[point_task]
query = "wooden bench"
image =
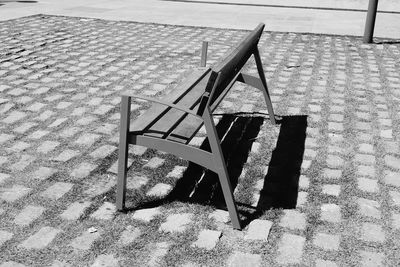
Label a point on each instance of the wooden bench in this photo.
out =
(172, 122)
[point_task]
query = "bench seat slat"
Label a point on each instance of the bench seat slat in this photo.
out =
(157, 110)
(170, 119)
(185, 131)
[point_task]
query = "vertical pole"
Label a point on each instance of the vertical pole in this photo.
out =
(123, 151)
(370, 22)
(204, 49)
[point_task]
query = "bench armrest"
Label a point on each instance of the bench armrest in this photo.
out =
(172, 105)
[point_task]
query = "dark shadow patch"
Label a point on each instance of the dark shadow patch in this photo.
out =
(281, 183)
(199, 185)
(388, 42)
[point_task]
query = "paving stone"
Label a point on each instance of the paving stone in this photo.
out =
(36, 135)
(293, 219)
(82, 170)
(258, 230)
(330, 213)
(87, 139)
(392, 161)
(290, 249)
(159, 190)
(154, 163)
(176, 222)
(45, 115)
(372, 232)
(304, 182)
(69, 132)
(327, 241)
(334, 161)
(12, 264)
(41, 238)
(63, 105)
(335, 126)
(14, 193)
(392, 178)
(365, 159)
(66, 155)
(138, 150)
(129, 235)
(105, 212)
(332, 173)
(325, 263)
(366, 148)
(103, 151)
(387, 134)
(28, 215)
(395, 197)
(146, 215)
(43, 173)
(85, 240)
(392, 147)
(177, 172)
(107, 128)
(158, 252)
(5, 236)
(368, 185)
(24, 162)
(310, 153)
(75, 210)
(47, 146)
(301, 199)
(331, 189)
(255, 148)
(5, 138)
(366, 170)
(57, 190)
(19, 147)
(3, 160)
(369, 208)
(207, 239)
(221, 216)
(396, 221)
(14, 116)
(4, 177)
(57, 122)
(240, 259)
(371, 259)
(103, 109)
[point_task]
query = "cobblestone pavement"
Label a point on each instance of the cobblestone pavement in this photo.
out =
(60, 81)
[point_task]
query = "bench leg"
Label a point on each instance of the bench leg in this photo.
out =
(264, 82)
(221, 168)
(123, 151)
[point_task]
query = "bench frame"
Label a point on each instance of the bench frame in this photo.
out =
(213, 160)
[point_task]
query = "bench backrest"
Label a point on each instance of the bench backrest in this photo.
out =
(227, 70)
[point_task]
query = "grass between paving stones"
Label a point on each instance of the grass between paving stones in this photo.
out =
(96, 187)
